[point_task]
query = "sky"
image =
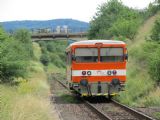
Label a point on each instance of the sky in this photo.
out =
(82, 10)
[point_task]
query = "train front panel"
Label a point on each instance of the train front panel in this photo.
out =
(98, 69)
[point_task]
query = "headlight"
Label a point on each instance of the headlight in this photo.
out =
(83, 72)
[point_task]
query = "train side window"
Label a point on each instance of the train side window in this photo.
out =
(111, 55)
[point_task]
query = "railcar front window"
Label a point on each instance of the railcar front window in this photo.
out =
(86, 54)
(111, 54)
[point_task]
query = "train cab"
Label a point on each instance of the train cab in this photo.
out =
(96, 67)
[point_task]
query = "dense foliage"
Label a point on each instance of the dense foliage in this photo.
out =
(14, 54)
(44, 59)
(114, 20)
(155, 35)
(154, 64)
(53, 52)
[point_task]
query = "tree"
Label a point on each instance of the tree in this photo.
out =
(114, 19)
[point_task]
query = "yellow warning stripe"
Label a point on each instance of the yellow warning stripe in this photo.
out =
(98, 94)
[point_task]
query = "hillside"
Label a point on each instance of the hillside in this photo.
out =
(144, 31)
(72, 24)
(139, 81)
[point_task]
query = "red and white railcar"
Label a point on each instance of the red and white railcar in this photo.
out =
(96, 67)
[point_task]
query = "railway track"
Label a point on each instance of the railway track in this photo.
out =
(112, 110)
(116, 111)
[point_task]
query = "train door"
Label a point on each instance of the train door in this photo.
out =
(68, 67)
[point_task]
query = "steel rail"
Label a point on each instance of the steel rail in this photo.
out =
(90, 106)
(134, 112)
(102, 115)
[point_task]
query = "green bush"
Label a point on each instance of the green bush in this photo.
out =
(147, 56)
(54, 57)
(42, 43)
(44, 50)
(24, 37)
(154, 65)
(14, 57)
(45, 59)
(50, 48)
(56, 60)
(62, 56)
(155, 35)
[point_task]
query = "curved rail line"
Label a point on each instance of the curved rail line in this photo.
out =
(103, 116)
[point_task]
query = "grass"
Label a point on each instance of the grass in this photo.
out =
(51, 68)
(69, 98)
(157, 115)
(138, 85)
(29, 100)
(152, 99)
(37, 51)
